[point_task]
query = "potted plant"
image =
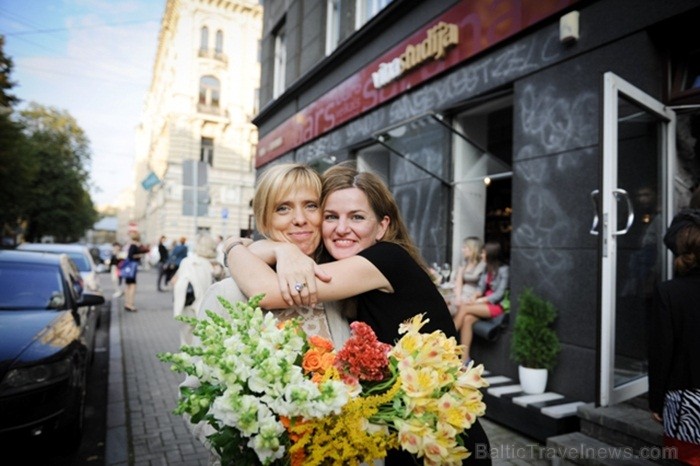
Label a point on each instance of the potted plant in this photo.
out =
(535, 345)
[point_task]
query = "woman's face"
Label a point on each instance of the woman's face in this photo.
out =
(296, 219)
(467, 251)
(349, 223)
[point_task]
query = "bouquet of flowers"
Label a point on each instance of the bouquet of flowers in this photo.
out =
(275, 396)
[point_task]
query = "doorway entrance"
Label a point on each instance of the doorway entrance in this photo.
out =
(635, 199)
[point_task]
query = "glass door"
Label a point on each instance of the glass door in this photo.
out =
(638, 151)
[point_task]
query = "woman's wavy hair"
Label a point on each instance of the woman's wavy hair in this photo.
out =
(346, 175)
(688, 248)
(276, 183)
(476, 245)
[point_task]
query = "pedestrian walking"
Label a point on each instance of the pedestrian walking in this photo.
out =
(162, 260)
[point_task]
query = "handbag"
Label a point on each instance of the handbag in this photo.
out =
(189, 295)
(128, 269)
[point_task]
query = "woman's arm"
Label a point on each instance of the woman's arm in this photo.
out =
(458, 284)
(500, 290)
(354, 275)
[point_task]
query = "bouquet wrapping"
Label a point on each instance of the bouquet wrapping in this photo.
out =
(273, 395)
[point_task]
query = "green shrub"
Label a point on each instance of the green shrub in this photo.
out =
(535, 344)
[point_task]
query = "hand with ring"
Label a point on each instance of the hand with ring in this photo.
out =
(299, 286)
(297, 274)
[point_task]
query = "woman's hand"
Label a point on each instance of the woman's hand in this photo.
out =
(657, 417)
(297, 274)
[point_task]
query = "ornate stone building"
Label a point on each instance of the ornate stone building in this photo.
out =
(196, 126)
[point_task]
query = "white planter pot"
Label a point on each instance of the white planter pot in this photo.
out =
(532, 381)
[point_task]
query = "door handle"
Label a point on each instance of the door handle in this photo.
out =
(621, 193)
(594, 199)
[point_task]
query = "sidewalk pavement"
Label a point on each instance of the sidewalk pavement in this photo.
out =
(142, 393)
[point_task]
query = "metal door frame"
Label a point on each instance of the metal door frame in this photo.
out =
(613, 87)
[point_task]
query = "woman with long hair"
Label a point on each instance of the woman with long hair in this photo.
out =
(486, 301)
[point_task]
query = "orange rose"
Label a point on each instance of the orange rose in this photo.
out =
(321, 343)
(327, 360)
(311, 361)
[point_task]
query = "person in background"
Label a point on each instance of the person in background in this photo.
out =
(114, 260)
(134, 253)
(178, 253)
(220, 248)
(486, 301)
(674, 348)
(200, 270)
(162, 260)
(469, 271)
(687, 215)
(376, 264)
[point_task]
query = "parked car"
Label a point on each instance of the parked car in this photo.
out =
(47, 333)
(79, 253)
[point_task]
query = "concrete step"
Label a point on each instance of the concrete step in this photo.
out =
(577, 448)
(536, 416)
(623, 424)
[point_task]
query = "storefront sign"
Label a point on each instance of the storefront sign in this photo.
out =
(438, 40)
(468, 28)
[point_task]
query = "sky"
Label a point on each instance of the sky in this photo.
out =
(93, 59)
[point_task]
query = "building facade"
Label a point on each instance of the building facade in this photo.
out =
(565, 130)
(196, 143)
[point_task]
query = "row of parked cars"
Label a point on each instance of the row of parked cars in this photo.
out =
(50, 306)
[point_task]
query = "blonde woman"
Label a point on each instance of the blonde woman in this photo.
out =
(469, 271)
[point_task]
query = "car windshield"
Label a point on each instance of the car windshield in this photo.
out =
(30, 286)
(80, 260)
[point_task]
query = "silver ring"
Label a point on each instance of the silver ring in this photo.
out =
(299, 287)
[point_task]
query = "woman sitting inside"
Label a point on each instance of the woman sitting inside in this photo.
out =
(469, 271)
(486, 301)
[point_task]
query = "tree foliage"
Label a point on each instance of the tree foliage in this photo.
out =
(535, 344)
(60, 203)
(44, 168)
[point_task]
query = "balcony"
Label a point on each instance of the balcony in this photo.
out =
(213, 55)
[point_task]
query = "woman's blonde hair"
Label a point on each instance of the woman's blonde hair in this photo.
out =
(476, 245)
(276, 183)
(345, 175)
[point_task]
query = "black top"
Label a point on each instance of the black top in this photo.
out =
(414, 293)
(674, 346)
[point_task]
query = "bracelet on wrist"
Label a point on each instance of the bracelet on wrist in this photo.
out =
(228, 249)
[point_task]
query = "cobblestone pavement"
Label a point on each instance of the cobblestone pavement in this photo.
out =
(141, 428)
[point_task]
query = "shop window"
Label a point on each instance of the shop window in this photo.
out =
(332, 25)
(219, 47)
(204, 39)
(483, 158)
(367, 9)
(206, 151)
(209, 93)
(280, 62)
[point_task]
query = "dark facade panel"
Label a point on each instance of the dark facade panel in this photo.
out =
(552, 206)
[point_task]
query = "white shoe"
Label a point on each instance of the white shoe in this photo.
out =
(117, 293)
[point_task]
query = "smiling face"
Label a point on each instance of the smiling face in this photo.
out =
(349, 223)
(296, 219)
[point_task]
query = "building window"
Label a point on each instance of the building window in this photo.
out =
(332, 25)
(204, 39)
(206, 151)
(209, 92)
(219, 41)
(366, 9)
(280, 63)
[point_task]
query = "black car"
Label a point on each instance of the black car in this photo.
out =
(47, 331)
